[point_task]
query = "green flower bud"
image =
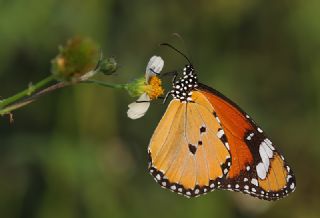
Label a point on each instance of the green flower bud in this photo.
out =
(136, 87)
(108, 66)
(77, 57)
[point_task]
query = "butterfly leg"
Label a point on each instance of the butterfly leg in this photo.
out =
(174, 78)
(142, 101)
(166, 97)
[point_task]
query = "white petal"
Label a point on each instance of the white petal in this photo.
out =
(138, 109)
(154, 66)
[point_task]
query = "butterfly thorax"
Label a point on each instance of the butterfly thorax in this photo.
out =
(183, 87)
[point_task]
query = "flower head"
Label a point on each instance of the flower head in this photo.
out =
(76, 58)
(148, 88)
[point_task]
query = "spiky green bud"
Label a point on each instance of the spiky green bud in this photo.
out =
(77, 57)
(108, 66)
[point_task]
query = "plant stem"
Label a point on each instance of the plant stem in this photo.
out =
(109, 85)
(32, 98)
(12, 103)
(27, 92)
(7, 110)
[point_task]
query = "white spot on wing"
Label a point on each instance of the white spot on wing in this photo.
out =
(217, 118)
(220, 133)
(267, 149)
(261, 171)
(269, 143)
(249, 137)
(227, 145)
(264, 156)
(288, 169)
(292, 186)
(254, 182)
(158, 177)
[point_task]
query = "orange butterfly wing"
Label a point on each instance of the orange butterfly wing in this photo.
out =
(257, 167)
(186, 156)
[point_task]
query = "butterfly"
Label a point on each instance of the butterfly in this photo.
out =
(205, 142)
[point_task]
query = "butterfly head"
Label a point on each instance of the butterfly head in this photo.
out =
(182, 88)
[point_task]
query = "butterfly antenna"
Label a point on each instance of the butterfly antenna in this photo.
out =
(172, 47)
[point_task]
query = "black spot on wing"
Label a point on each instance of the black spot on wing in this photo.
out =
(192, 148)
(203, 129)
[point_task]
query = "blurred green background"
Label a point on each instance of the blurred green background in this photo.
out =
(74, 153)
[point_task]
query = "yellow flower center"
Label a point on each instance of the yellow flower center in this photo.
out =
(154, 88)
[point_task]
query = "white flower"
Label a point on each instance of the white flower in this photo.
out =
(154, 67)
(152, 89)
(138, 108)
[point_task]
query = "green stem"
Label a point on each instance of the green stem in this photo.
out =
(10, 108)
(12, 103)
(27, 92)
(115, 86)
(27, 100)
